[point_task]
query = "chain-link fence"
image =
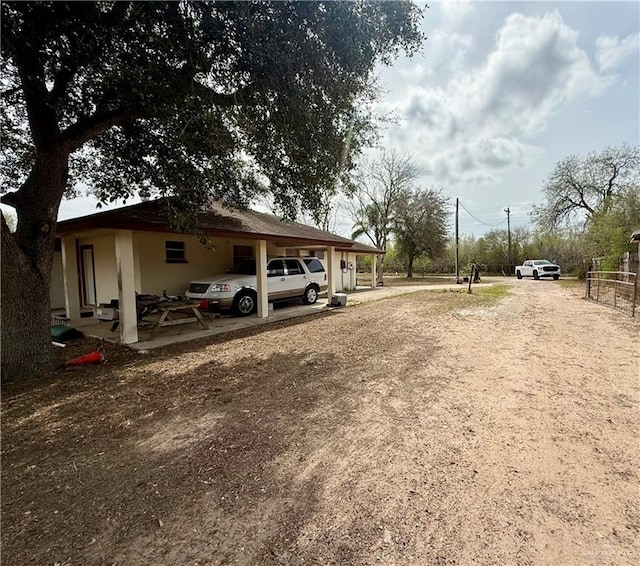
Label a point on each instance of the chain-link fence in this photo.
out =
(617, 289)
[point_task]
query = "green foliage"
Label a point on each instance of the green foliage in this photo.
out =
(200, 99)
(608, 233)
(492, 293)
(420, 225)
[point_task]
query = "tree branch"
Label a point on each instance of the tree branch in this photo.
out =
(89, 127)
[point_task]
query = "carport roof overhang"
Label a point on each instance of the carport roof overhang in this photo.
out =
(218, 221)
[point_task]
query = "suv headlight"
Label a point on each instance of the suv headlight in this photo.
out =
(220, 288)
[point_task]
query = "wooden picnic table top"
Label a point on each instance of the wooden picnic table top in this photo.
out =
(177, 305)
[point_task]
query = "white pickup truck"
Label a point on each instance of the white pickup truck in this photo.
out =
(538, 268)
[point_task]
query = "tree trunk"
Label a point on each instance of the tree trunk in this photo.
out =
(380, 272)
(27, 256)
(410, 268)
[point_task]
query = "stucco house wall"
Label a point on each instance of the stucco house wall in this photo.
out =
(153, 274)
(56, 291)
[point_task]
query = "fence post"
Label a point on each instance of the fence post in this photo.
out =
(615, 293)
(635, 295)
(588, 290)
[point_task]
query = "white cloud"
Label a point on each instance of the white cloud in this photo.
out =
(535, 67)
(611, 51)
(471, 126)
(455, 12)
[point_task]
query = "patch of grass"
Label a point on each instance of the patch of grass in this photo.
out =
(493, 292)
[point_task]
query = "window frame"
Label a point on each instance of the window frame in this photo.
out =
(170, 247)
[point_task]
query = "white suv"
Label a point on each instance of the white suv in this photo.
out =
(287, 278)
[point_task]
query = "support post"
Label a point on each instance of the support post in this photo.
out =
(374, 275)
(261, 276)
(125, 264)
(331, 270)
(457, 245)
(70, 278)
(508, 211)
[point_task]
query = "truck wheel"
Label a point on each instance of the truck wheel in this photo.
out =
(244, 303)
(310, 295)
(535, 275)
(518, 275)
(556, 277)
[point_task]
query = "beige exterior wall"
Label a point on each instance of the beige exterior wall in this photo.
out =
(157, 275)
(345, 278)
(104, 265)
(153, 274)
(56, 291)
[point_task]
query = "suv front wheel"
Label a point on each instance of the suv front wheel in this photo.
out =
(244, 303)
(310, 295)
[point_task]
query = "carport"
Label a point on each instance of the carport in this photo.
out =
(119, 253)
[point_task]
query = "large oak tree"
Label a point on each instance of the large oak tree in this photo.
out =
(192, 99)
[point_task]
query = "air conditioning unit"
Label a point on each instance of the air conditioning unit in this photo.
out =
(339, 300)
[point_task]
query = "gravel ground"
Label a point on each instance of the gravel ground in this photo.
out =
(430, 428)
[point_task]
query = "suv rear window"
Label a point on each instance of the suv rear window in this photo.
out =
(314, 265)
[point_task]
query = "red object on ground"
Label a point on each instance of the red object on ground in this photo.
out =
(91, 358)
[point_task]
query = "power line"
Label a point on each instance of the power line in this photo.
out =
(481, 222)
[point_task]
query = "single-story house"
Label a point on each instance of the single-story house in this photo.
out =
(118, 253)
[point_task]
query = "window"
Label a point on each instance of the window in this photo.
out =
(242, 254)
(275, 268)
(293, 267)
(317, 253)
(175, 252)
(314, 265)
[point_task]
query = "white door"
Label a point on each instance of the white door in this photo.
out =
(88, 278)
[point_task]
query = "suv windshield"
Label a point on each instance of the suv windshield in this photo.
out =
(247, 267)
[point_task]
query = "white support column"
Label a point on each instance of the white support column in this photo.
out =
(374, 259)
(125, 265)
(261, 276)
(331, 270)
(70, 277)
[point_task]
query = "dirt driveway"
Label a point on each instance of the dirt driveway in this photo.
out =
(432, 428)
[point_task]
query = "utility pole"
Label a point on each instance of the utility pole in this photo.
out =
(457, 266)
(508, 211)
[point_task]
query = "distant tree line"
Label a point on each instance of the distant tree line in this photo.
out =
(590, 208)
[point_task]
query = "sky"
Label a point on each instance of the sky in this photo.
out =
(502, 91)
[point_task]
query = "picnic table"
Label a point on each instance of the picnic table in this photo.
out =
(173, 312)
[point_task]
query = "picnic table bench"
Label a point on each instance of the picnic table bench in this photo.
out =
(173, 312)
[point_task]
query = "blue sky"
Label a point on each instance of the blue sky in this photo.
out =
(500, 93)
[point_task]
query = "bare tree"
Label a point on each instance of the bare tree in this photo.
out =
(377, 190)
(580, 187)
